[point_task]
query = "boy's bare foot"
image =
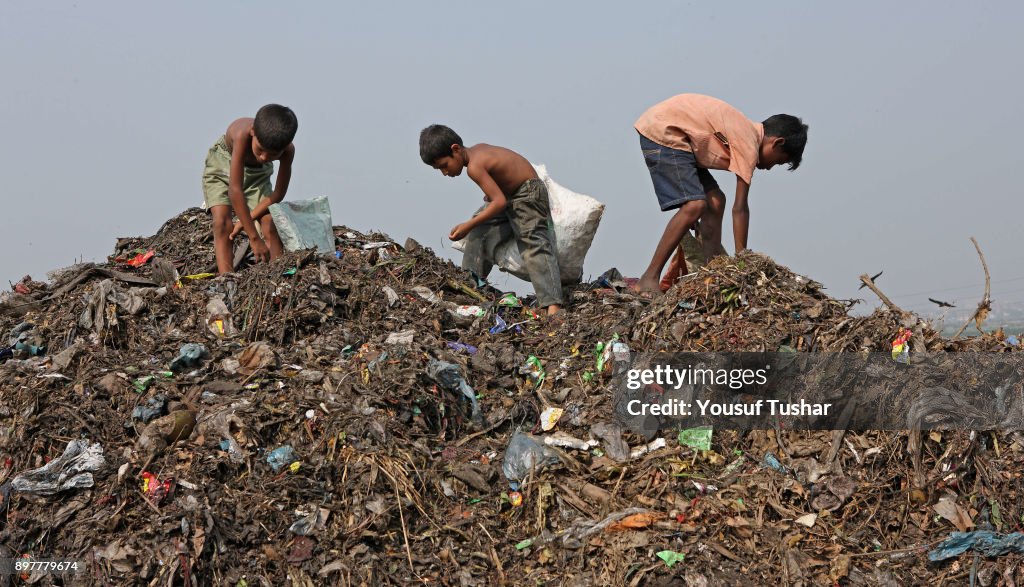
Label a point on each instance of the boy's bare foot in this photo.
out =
(555, 316)
(648, 286)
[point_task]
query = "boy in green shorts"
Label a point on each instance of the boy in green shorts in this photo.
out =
(237, 178)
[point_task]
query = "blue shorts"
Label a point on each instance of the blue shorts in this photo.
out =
(677, 179)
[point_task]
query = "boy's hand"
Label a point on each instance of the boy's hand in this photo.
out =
(459, 232)
(259, 250)
(234, 231)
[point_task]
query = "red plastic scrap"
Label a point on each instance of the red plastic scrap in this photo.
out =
(154, 489)
(138, 260)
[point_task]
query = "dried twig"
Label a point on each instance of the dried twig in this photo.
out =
(985, 305)
(467, 290)
(288, 308)
(837, 434)
(885, 300)
(405, 532)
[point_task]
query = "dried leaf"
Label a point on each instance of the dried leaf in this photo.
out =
(949, 510)
(635, 521)
(807, 520)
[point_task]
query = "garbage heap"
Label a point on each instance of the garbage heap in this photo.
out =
(374, 418)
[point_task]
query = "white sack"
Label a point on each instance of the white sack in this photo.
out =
(575, 218)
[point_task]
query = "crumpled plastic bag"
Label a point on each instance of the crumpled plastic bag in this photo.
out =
(227, 423)
(450, 378)
(281, 457)
(70, 470)
(256, 356)
(524, 454)
(312, 518)
(218, 317)
(95, 315)
(190, 355)
(304, 224)
(985, 542)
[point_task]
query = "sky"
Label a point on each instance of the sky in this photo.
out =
(914, 109)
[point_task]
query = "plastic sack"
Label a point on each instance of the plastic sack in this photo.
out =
(304, 224)
(70, 470)
(575, 218)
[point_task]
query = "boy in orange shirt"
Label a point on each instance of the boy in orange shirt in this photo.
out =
(685, 136)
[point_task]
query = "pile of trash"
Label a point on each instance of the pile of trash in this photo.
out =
(374, 417)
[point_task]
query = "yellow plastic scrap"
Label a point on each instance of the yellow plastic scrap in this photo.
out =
(193, 277)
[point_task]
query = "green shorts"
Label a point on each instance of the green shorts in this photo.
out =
(255, 183)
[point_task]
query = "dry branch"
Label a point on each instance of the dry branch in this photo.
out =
(885, 300)
(985, 305)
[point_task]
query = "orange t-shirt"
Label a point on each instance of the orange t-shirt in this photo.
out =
(718, 135)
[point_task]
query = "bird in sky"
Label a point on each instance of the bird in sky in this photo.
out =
(941, 303)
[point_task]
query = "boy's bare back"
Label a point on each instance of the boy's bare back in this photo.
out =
(241, 130)
(507, 168)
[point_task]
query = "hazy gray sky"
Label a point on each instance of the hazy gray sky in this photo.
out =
(108, 109)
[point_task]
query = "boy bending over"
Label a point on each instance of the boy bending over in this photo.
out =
(237, 178)
(517, 205)
(685, 136)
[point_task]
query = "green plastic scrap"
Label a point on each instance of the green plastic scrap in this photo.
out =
(142, 383)
(602, 352)
(696, 438)
(510, 300)
(538, 369)
(734, 466)
(996, 516)
(524, 544)
(606, 351)
(671, 557)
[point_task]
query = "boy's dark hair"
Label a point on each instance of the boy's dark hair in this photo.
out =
(793, 130)
(275, 126)
(436, 141)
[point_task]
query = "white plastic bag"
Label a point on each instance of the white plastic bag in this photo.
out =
(304, 224)
(575, 218)
(71, 470)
